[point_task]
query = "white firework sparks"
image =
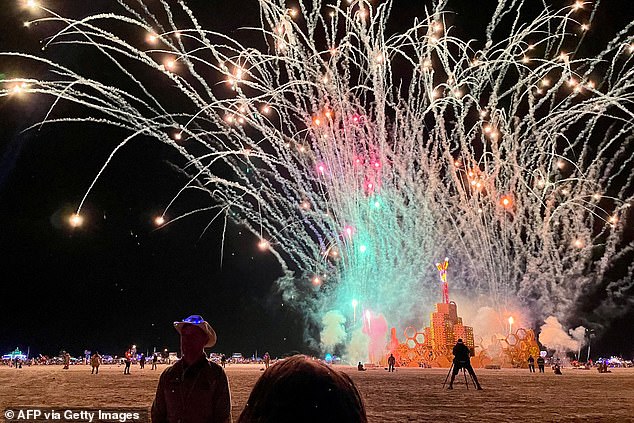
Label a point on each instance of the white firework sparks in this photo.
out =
(359, 158)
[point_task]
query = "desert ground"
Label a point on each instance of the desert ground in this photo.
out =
(408, 395)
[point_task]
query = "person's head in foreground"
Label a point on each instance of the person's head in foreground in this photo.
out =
(196, 334)
(299, 389)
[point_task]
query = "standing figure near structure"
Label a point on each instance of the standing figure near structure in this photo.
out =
(391, 361)
(462, 360)
(540, 363)
(531, 364)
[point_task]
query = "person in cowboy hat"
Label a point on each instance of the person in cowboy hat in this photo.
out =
(193, 389)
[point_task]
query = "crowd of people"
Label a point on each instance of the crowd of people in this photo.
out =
(298, 388)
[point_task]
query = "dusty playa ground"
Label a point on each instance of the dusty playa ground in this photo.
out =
(408, 395)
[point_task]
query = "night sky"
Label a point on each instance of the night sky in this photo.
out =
(116, 280)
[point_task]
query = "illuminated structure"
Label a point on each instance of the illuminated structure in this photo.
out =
(442, 268)
(433, 347)
(15, 354)
(510, 351)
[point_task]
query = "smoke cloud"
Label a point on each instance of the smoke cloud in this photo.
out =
(554, 336)
(333, 331)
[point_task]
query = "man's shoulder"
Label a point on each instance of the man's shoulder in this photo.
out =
(172, 370)
(215, 369)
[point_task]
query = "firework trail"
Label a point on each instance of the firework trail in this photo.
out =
(359, 158)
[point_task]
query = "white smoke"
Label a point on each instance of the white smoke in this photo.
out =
(333, 331)
(554, 336)
(358, 347)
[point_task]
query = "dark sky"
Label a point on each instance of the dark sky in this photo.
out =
(117, 281)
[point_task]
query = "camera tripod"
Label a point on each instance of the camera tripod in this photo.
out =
(464, 373)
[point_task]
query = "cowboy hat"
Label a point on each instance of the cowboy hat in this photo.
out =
(198, 321)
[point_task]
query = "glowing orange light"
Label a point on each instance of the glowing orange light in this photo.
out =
(506, 201)
(170, 64)
(263, 244)
(76, 220)
(178, 136)
(159, 220)
(19, 88)
(316, 281)
(579, 243)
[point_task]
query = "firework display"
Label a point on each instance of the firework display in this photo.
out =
(355, 156)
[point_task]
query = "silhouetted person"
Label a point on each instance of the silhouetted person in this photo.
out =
(127, 361)
(267, 360)
(391, 361)
(462, 360)
(360, 367)
(223, 360)
(531, 364)
(95, 362)
(194, 389)
(557, 369)
(154, 361)
(142, 361)
(299, 389)
(66, 360)
(540, 364)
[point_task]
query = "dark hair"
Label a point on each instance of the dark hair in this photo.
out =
(299, 389)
